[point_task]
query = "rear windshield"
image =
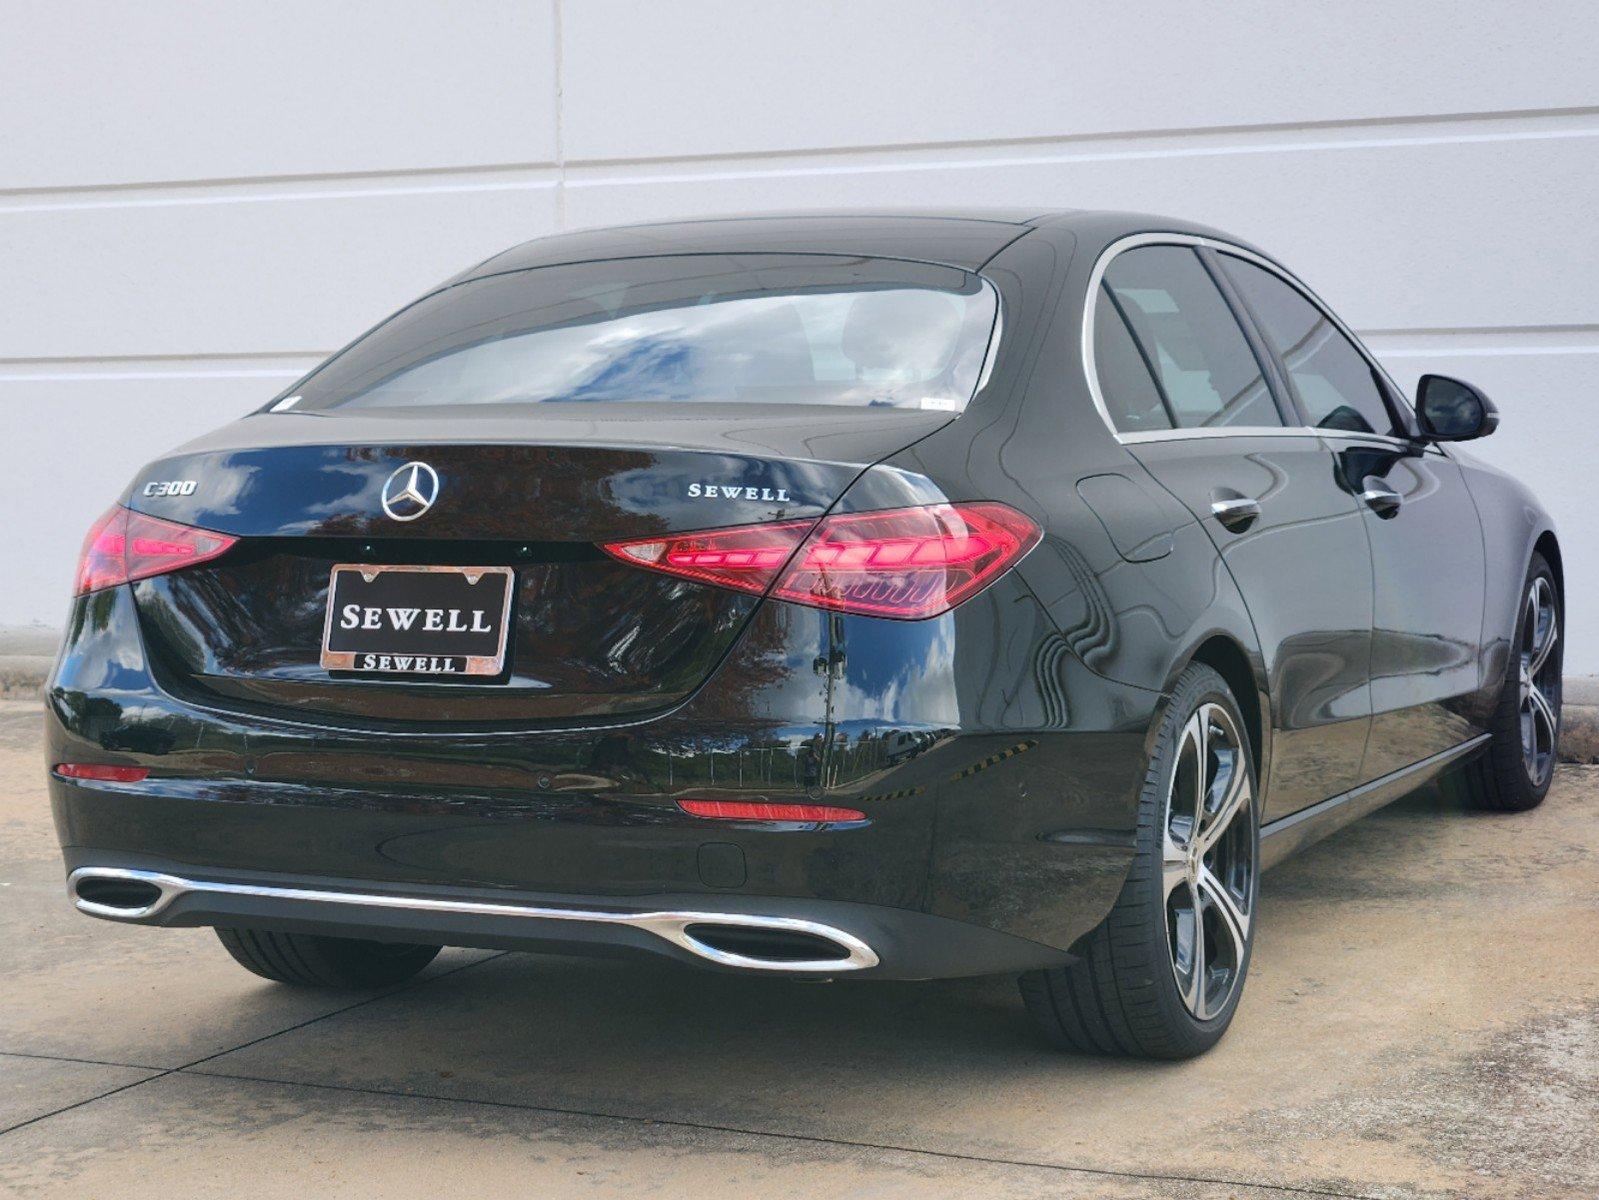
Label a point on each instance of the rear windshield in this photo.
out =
(761, 329)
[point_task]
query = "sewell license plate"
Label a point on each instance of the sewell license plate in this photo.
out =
(417, 620)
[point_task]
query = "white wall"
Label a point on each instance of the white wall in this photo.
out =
(198, 201)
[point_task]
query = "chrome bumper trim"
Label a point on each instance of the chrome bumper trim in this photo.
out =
(670, 926)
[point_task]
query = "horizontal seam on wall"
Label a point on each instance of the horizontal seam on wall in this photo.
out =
(1484, 341)
(598, 171)
(266, 364)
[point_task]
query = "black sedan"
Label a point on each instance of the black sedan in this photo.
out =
(824, 595)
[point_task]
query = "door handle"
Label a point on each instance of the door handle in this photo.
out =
(1379, 497)
(1236, 512)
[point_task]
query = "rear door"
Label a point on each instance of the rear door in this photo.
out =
(1426, 543)
(1196, 401)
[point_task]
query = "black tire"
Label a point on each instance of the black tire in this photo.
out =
(1122, 995)
(307, 960)
(1503, 779)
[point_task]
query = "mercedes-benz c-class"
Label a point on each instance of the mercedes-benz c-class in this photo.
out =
(855, 595)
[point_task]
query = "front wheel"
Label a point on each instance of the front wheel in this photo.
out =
(1162, 974)
(1515, 772)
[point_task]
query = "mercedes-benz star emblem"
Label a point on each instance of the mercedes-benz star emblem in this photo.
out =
(410, 491)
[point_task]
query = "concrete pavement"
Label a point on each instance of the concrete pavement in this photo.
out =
(1422, 1019)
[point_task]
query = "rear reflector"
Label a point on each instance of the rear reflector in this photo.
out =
(746, 810)
(906, 563)
(124, 545)
(102, 772)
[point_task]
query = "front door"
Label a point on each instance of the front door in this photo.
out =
(1426, 543)
(1427, 557)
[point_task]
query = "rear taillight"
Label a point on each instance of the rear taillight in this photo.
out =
(747, 557)
(124, 545)
(906, 563)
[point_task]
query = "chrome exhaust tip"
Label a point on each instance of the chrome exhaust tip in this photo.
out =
(742, 941)
(757, 943)
(122, 895)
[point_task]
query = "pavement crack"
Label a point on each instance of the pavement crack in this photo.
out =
(92, 1062)
(162, 1073)
(409, 986)
(808, 1138)
(66, 1108)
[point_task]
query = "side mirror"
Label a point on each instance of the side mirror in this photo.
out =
(1451, 410)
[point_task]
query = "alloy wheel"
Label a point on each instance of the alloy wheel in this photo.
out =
(1539, 688)
(1209, 867)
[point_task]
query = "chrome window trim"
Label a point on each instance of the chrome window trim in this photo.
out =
(992, 351)
(1215, 431)
(1221, 246)
(1255, 431)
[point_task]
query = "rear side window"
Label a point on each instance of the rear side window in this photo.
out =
(1201, 362)
(1336, 386)
(737, 328)
(1131, 395)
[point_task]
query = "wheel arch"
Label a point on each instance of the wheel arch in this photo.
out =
(1548, 545)
(1228, 657)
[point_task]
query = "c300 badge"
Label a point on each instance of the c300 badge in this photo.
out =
(171, 487)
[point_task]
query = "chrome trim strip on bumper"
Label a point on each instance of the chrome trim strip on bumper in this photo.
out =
(670, 926)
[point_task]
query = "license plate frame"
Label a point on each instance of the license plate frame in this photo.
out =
(388, 650)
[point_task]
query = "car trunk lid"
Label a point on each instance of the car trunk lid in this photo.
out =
(533, 490)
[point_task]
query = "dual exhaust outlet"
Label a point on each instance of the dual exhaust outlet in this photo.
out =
(743, 941)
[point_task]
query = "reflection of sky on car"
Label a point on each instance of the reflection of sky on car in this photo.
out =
(239, 482)
(744, 348)
(650, 489)
(900, 671)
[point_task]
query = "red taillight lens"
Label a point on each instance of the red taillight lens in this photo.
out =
(747, 557)
(124, 545)
(906, 563)
(748, 810)
(102, 772)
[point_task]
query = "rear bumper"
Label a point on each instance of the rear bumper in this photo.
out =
(998, 775)
(815, 938)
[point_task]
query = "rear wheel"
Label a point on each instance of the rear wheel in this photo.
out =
(1515, 772)
(1161, 976)
(308, 960)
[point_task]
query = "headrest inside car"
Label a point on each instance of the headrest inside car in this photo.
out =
(909, 332)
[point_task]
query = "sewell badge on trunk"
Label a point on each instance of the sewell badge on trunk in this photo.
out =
(417, 620)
